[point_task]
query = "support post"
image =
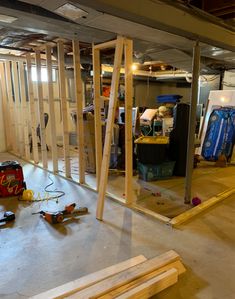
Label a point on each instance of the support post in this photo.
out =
(41, 110)
(17, 110)
(60, 47)
(79, 104)
(128, 121)
(24, 110)
(51, 110)
(97, 108)
(192, 122)
(32, 109)
(109, 127)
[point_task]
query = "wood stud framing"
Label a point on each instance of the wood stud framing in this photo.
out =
(51, 110)
(61, 65)
(17, 109)
(79, 103)
(97, 105)
(109, 127)
(128, 47)
(25, 110)
(6, 116)
(32, 109)
(41, 110)
(11, 102)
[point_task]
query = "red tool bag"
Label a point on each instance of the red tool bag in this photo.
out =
(11, 179)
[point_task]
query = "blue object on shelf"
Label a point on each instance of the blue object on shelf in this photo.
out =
(168, 98)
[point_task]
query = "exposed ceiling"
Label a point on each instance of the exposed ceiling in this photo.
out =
(36, 23)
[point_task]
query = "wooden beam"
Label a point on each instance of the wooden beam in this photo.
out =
(128, 121)
(177, 265)
(79, 103)
(32, 109)
(90, 279)
(200, 208)
(6, 108)
(17, 110)
(97, 112)
(106, 45)
(24, 110)
(60, 47)
(41, 110)
(109, 127)
(51, 110)
(105, 286)
(12, 128)
(152, 286)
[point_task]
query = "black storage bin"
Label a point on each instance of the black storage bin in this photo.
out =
(152, 149)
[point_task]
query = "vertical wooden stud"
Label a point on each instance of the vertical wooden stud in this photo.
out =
(24, 110)
(60, 47)
(5, 106)
(17, 110)
(128, 121)
(97, 107)
(51, 110)
(12, 128)
(32, 109)
(79, 103)
(41, 110)
(109, 128)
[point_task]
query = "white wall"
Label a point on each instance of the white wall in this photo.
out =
(2, 130)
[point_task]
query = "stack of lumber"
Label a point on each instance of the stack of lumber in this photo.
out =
(134, 278)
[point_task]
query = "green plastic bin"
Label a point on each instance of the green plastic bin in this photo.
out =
(151, 172)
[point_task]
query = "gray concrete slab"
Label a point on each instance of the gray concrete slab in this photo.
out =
(35, 256)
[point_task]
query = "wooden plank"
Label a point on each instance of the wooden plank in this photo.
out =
(90, 279)
(17, 110)
(178, 266)
(105, 286)
(64, 110)
(152, 286)
(12, 129)
(24, 109)
(128, 121)
(109, 127)
(201, 207)
(150, 213)
(5, 106)
(79, 103)
(32, 109)
(50, 93)
(97, 112)
(41, 110)
(109, 44)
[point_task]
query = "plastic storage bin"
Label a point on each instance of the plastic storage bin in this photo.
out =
(168, 98)
(152, 149)
(149, 172)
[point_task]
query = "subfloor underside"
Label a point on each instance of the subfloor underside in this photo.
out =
(35, 256)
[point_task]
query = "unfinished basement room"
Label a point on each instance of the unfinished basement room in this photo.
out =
(117, 157)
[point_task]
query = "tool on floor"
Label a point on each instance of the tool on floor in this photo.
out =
(11, 179)
(7, 217)
(58, 217)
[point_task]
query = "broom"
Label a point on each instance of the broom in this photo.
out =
(222, 159)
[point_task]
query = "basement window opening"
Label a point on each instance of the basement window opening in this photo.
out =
(43, 74)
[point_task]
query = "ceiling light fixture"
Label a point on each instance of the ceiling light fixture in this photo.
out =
(7, 19)
(71, 12)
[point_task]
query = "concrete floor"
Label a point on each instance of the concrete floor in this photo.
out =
(35, 256)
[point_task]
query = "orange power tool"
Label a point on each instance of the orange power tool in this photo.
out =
(58, 217)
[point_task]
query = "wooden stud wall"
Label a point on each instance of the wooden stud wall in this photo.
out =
(61, 65)
(79, 104)
(51, 110)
